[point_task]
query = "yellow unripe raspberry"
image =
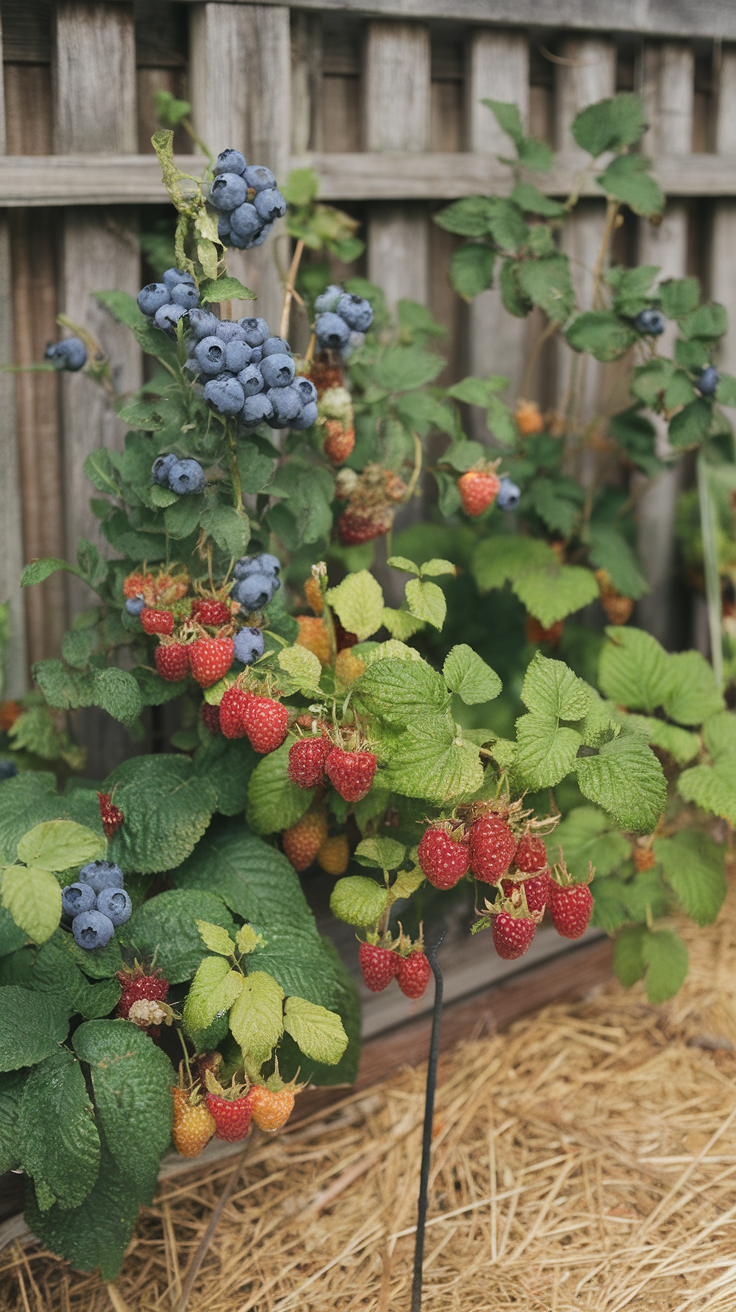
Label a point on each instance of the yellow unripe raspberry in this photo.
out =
(348, 667)
(334, 854)
(314, 596)
(313, 636)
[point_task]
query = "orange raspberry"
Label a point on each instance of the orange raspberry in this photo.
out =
(334, 854)
(313, 595)
(528, 418)
(348, 667)
(536, 632)
(271, 1110)
(302, 841)
(9, 712)
(644, 858)
(313, 636)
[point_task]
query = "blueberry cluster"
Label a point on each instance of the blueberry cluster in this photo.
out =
(247, 200)
(164, 303)
(180, 476)
(248, 374)
(95, 904)
(70, 354)
(256, 582)
(342, 321)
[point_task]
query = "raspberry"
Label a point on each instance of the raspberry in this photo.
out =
(210, 717)
(210, 659)
(492, 847)
(172, 660)
(357, 526)
(351, 773)
(231, 708)
(379, 966)
(135, 584)
(348, 667)
(512, 935)
(571, 907)
(137, 986)
(302, 841)
(334, 854)
(210, 611)
(413, 974)
(478, 490)
(307, 761)
(111, 815)
(644, 858)
(266, 723)
(157, 621)
(230, 1115)
(339, 441)
(536, 890)
(343, 638)
(313, 636)
(9, 712)
(271, 1110)
(528, 418)
(313, 594)
(530, 854)
(193, 1125)
(536, 632)
(443, 860)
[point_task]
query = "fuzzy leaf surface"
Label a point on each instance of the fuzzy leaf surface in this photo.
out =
(58, 1139)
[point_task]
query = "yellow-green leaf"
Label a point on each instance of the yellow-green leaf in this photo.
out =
(318, 1032)
(214, 989)
(216, 938)
(256, 1019)
(302, 666)
(358, 601)
(33, 898)
(60, 844)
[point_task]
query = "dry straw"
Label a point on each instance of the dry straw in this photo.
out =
(585, 1159)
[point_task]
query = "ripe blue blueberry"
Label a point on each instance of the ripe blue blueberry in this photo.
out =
(255, 591)
(186, 476)
(256, 354)
(184, 293)
(276, 346)
(256, 409)
(171, 277)
(101, 874)
(8, 769)
(134, 605)
(92, 929)
(248, 645)
(708, 381)
(251, 379)
(202, 323)
(245, 566)
(229, 331)
(270, 205)
(76, 898)
(270, 565)
(355, 340)
(115, 903)
(277, 370)
(210, 356)
(331, 330)
(230, 161)
(151, 297)
(256, 331)
(224, 394)
(227, 192)
(223, 228)
(237, 356)
(306, 389)
(167, 317)
(508, 495)
(356, 311)
(329, 299)
(259, 178)
(263, 234)
(286, 403)
(650, 322)
(308, 415)
(245, 221)
(70, 354)
(160, 468)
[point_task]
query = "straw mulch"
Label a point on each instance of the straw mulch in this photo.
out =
(585, 1159)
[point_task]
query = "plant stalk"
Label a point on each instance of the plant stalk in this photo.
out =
(289, 289)
(709, 530)
(549, 331)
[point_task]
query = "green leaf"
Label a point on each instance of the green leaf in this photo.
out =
(256, 1019)
(633, 670)
(505, 557)
(436, 567)
(469, 217)
(167, 807)
(32, 1025)
(610, 124)
(215, 938)
(224, 289)
(274, 802)
(166, 925)
(401, 562)
(319, 1032)
(558, 501)
(426, 601)
(508, 118)
(586, 837)
(501, 422)
(547, 283)
(213, 990)
(536, 155)
(471, 269)
(707, 323)
(132, 1080)
(117, 692)
(665, 956)
(358, 601)
(400, 623)
(553, 593)
(432, 760)
(637, 436)
(302, 666)
(121, 306)
(398, 690)
(679, 296)
(628, 179)
(551, 688)
(12, 1084)
(380, 853)
(229, 530)
(506, 224)
(33, 898)
(60, 844)
(532, 201)
(628, 955)
(57, 970)
(610, 551)
(514, 300)
(58, 1140)
(626, 779)
(692, 695)
(726, 390)
(602, 334)
(467, 675)
(546, 752)
(713, 787)
(691, 424)
(402, 368)
(680, 744)
(38, 570)
(694, 865)
(649, 381)
(358, 900)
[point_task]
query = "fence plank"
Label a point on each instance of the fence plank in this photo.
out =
(667, 92)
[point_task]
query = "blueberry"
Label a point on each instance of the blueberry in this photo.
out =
(256, 354)
(230, 161)
(251, 380)
(92, 929)
(245, 221)
(276, 346)
(286, 403)
(167, 317)
(229, 331)
(354, 341)
(70, 354)
(134, 605)
(331, 330)
(245, 566)
(248, 645)
(115, 903)
(259, 178)
(308, 415)
(210, 356)
(356, 311)
(329, 298)
(708, 381)
(237, 356)
(184, 293)
(270, 205)
(256, 409)
(255, 591)
(227, 192)
(508, 495)
(151, 297)
(268, 564)
(76, 898)
(223, 228)
(240, 243)
(8, 769)
(263, 234)
(202, 323)
(256, 331)
(306, 388)
(650, 322)
(101, 874)
(186, 476)
(173, 276)
(160, 468)
(277, 370)
(224, 394)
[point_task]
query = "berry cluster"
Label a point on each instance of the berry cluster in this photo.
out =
(95, 904)
(383, 960)
(228, 1113)
(479, 488)
(165, 303)
(342, 321)
(373, 497)
(247, 200)
(350, 772)
(141, 999)
(69, 354)
(248, 375)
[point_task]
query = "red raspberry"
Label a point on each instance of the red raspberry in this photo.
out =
(210, 659)
(492, 847)
(443, 860)
(512, 935)
(210, 717)
(111, 816)
(351, 773)
(357, 526)
(172, 660)
(209, 611)
(266, 723)
(379, 966)
(478, 490)
(157, 621)
(307, 761)
(233, 703)
(137, 986)
(231, 1116)
(530, 855)
(414, 974)
(536, 890)
(339, 441)
(302, 841)
(571, 908)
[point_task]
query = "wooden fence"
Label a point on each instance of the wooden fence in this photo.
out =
(383, 99)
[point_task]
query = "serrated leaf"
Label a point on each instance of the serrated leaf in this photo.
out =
(167, 806)
(38, 570)
(213, 990)
(708, 322)
(224, 289)
(602, 334)
(319, 1033)
(666, 959)
(628, 179)
(381, 853)
(407, 882)
(274, 802)
(508, 118)
(471, 269)
(256, 1019)
(398, 690)
(32, 1025)
(426, 601)
(400, 623)
(358, 601)
(57, 1135)
(246, 939)
(228, 528)
(545, 752)
(215, 938)
(33, 898)
(554, 593)
(533, 201)
(358, 900)
(628, 955)
(166, 925)
(610, 551)
(547, 283)
(626, 779)
(60, 844)
(117, 692)
(403, 368)
(551, 688)
(609, 124)
(466, 674)
(402, 563)
(680, 744)
(694, 865)
(712, 787)
(558, 502)
(302, 666)
(12, 1084)
(692, 695)
(586, 835)
(433, 761)
(504, 557)
(469, 217)
(633, 670)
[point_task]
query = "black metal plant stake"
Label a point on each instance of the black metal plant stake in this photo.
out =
(434, 1050)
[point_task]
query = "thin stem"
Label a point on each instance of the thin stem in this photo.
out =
(186, 1056)
(549, 331)
(709, 530)
(611, 213)
(289, 289)
(418, 455)
(235, 472)
(310, 350)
